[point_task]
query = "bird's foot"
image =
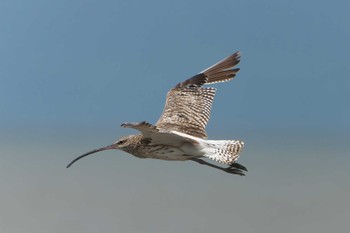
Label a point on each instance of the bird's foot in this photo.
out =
(237, 169)
(234, 171)
(239, 166)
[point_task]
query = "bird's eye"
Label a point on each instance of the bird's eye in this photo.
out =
(120, 142)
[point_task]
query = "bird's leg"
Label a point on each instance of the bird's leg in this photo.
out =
(231, 170)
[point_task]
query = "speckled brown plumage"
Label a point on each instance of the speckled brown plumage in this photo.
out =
(180, 134)
(188, 104)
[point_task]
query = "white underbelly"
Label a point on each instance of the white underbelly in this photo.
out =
(168, 153)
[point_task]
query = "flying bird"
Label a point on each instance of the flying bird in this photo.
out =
(180, 134)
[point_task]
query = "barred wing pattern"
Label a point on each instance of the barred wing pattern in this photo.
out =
(187, 110)
(188, 105)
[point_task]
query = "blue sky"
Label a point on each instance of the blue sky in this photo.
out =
(65, 62)
(72, 71)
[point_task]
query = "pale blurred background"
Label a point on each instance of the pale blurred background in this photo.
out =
(72, 71)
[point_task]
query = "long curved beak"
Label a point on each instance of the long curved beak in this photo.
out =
(91, 152)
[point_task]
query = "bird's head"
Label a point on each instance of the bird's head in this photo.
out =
(122, 144)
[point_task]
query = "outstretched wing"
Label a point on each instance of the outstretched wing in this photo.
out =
(158, 136)
(188, 104)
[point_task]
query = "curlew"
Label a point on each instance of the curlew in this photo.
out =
(180, 133)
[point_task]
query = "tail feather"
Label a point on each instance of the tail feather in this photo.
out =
(223, 151)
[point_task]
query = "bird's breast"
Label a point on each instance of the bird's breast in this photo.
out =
(163, 152)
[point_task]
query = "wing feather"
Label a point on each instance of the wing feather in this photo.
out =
(187, 110)
(188, 104)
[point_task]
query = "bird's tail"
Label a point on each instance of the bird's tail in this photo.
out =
(223, 151)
